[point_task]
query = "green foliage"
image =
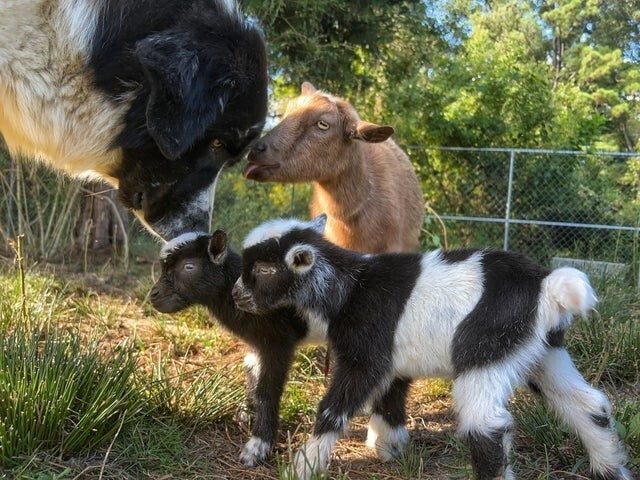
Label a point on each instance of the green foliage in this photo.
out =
(469, 73)
(240, 203)
(628, 425)
(65, 393)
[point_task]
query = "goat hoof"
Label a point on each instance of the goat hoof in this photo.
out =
(309, 462)
(389, 442)
(255, 451)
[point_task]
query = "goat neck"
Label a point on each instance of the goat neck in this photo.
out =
(346, 193)
(221, 304)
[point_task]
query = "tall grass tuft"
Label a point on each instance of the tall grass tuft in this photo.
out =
(39, 204)
(58, 390)
(196, 396)
(60, 394)
(607, 345)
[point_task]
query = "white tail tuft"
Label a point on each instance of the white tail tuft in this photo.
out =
(571, 290)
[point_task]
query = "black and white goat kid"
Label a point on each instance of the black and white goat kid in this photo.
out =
(490, 320)
(198, 268)
(152, 96)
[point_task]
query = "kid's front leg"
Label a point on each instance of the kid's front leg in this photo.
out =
(349, 391)
(270, 371)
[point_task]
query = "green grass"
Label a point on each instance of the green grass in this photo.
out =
(68, 390)
(59, 393)
(608, 343)
(196, 396)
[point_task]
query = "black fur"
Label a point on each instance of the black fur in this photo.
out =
(600, 420)
(535, 388)
(197, 74)
(454, 256)
(273, 336)
(488, 455)
(392, 405)
(555, 338)
(504, 317)
(362, 341)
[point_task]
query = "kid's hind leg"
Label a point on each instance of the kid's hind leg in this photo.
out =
(387, 432)
(481, 396)
(584, 409)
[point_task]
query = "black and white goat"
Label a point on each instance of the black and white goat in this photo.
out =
(152, 96)
(198, 268)
(490, 320)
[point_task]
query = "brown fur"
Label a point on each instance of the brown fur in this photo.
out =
(361, 179)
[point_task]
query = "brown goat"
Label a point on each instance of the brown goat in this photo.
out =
(361, 179)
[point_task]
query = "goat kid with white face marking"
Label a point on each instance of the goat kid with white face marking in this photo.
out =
(153, 97)
(198, 268)
(490, 320)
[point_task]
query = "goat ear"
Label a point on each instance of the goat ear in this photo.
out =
(300, 258)
(184, 99)
(307, 88)
(319, 223)
(217, 248)
(371, 133)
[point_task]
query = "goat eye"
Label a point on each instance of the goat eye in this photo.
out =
(265, 270)
(322, 125)
(189, 267)
(217, 143)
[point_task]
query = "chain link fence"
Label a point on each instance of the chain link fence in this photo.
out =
(559, 207)
(552, 205)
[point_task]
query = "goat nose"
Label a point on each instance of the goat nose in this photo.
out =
(154, 292)
(260, 147)
(235, 291)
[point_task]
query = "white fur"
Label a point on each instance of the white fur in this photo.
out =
(272, 229)
(199, 204)
(278, 227)
(293, 251)
(254, 452)
(252, 364)
(571, 397)
(78, 20)
(389, 442)
(49, 108)
(317, 328)
(179, 242)
(481, 394)
(443, 296)
(212, 192)
(231, 7)
(314, 455)
(571, 290)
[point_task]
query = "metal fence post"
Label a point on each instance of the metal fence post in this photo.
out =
(507, 213)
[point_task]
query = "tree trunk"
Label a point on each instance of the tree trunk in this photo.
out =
(101, 231)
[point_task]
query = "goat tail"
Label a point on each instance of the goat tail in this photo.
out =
(569, 290)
